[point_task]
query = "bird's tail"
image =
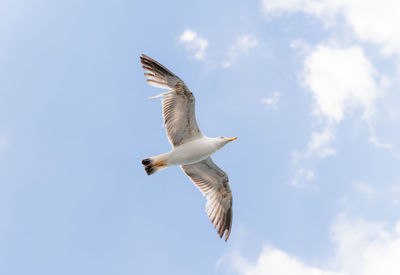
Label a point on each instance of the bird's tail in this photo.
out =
(154, 164)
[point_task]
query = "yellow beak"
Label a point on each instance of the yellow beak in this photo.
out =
(230, 139)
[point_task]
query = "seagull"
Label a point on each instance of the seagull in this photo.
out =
(190, 148)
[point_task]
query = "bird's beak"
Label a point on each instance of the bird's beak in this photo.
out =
(230, 139)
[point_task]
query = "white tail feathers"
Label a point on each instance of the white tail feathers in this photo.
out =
(154, 164)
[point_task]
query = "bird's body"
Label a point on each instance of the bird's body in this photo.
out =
(194, 151)
(191, 149)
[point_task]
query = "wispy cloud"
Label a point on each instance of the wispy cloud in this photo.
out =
(377, 142)
(374, 140)
(194, 43)
(241, 46)
(320, 143)
(366, 190)
(272, 101)
(342, 82)
(361, 248)
(374, 27)
(301, 175)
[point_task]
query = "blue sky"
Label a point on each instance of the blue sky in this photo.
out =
(309, 87)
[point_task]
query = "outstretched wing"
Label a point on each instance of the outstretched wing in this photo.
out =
(177, 103)
(214, 184)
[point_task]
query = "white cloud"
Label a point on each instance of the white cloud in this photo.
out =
(373, 21)
(342, 83)
(276, 262)
(272, 101)
(277, 7)
(242, 46)
(340, 79)
(361, 248)
(366, 248)
(194, 43)
(370, 20)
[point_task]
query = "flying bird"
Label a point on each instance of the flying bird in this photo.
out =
(190, 148)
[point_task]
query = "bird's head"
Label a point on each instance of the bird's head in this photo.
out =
(227, 139)
(224, 140)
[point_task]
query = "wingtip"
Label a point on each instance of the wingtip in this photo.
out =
(227, 233)
(143, 57)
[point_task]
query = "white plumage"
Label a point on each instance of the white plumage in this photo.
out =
(191, 149)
